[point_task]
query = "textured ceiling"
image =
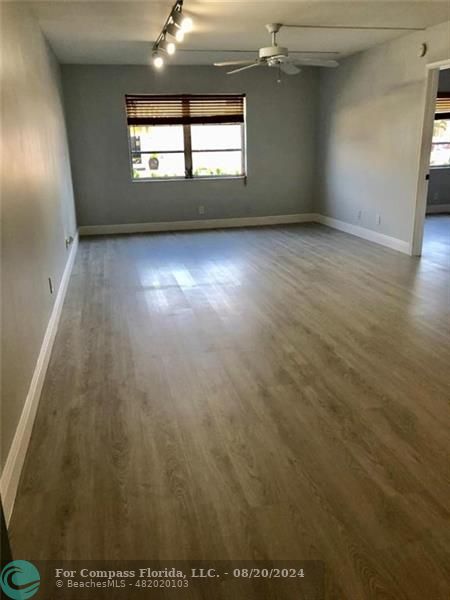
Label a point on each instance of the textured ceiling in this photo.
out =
(120, 32)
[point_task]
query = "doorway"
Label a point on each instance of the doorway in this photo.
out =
(434, 167)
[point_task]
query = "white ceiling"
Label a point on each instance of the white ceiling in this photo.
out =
(118, 32)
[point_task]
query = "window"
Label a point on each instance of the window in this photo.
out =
(440, 149)
(159, 153)
(186, 136)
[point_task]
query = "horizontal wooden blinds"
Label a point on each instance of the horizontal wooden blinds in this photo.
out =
(442, 106)
(184, 109)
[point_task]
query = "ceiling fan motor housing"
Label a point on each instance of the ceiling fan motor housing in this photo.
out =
(272, 52)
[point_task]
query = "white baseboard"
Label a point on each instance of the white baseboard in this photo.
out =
(11, 472)
(200, 224)
(362, 232)
(433, 209)
(367, 234)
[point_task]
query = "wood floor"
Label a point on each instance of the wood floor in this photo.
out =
(270, 393)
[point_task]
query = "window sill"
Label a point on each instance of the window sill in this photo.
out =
(434, 167)
(206, 178)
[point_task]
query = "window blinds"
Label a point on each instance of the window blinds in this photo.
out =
(184, 109)
(442, 110)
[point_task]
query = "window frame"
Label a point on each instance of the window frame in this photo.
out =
(445, 117)
(188, 154)
(441, 114)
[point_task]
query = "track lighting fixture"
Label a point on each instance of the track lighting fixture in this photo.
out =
(187, 25)
(168, 47)
(175, 32)
(181, 21)
(158, 61)
(176, 25)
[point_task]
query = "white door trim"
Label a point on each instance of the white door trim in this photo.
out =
(420, 207)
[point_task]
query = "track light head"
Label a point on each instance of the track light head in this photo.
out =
(168, 47)
(187, 25)
(181, 21)
(175, 32)
(158, 61)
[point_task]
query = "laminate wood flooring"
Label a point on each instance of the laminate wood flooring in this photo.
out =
(265, 393)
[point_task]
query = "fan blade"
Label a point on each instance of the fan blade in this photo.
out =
(233, 63)
(255, 64)
(234, 51)
(289, 68)
(313, 52)
(316, 62)
(356, 27)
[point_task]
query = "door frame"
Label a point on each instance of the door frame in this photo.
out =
(431, 90)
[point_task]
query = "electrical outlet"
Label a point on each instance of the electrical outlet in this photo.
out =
(378, 219)
(201, 209)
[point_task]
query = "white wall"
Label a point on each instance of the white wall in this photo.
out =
(37, 203)
(371, 118)
(281, 127)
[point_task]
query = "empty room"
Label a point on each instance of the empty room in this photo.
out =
(225, 294)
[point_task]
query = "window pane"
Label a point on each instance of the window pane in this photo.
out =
(150, 138)
(216, 163)
(158, 164)
(440, 155)
(441, 130)
(212, 137)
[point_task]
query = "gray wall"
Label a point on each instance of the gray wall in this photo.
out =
(37, 203)
(444, 80)
(439, 184)
(371, 119)
(439, 187)
(281, 122)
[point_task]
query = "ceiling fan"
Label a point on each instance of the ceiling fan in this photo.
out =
(277, 56)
